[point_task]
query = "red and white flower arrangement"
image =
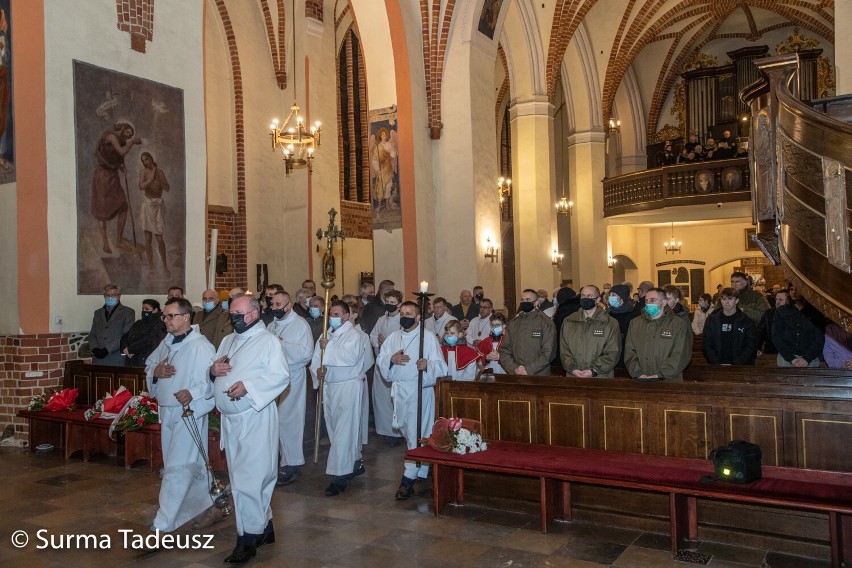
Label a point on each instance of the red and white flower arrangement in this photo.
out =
(457, 435)
(66, 399)
(139, 411)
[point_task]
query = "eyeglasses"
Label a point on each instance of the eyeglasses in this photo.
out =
(170, 317)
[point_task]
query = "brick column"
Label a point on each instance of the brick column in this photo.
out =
(30, 365)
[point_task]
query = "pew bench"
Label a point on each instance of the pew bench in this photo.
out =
(71, 432)
(557, 467)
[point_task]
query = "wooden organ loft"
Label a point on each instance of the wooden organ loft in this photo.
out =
(711, 105)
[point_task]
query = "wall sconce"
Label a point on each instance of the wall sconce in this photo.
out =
(556, 258)
(492, 252)
(504, 190)
(565, 207)
(610, 262)
(613, 125)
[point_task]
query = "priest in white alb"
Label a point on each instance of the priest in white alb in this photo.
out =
(298, 343)
(250, 372)
(399, 360)
(382, 402)
(176, 373)
(343, 371)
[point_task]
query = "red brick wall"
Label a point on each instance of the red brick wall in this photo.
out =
(232, 224)
(226, 220)
(313, 9)
(19, 354)
(137, 18)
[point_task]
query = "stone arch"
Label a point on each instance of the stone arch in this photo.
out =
(524, 53)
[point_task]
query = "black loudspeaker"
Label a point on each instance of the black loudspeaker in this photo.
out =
(738, 462)
(221, 263)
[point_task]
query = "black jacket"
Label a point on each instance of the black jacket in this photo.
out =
(143, 338)
(794, 335)
(745, 340)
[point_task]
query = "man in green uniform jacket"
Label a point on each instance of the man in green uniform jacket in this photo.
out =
(530, 340)
(659, 343)
(590, 339)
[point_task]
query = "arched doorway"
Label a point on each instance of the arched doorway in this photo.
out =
(624, 269)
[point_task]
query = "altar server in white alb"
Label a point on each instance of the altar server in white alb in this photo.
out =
(343, 370)
(398, 360)
(298, 344)
(382, 402)
(251, 371)
(177, 376)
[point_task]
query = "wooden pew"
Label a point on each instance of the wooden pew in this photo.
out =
(71, 432)
(556, 468)
(796, 427)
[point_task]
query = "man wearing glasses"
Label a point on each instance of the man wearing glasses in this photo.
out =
(109, 324)
(659, 343)
(250, 372)
(177, 377)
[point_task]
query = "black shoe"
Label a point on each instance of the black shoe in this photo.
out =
(334, 489)
(242, 553)
(358, 469)
(288, 476)
(404, 492)
(265, 538)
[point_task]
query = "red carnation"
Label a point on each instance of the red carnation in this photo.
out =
(140, 421)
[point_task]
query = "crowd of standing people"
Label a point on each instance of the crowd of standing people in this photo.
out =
(252, 358)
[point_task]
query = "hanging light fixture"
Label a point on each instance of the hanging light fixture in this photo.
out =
(556, 258)
(296, 141)
(673, 246)
(504, 190)
(611, 262)
(563, 206)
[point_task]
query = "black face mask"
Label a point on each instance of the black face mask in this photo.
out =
(479, 297)
(146, 315)
(588, 303)
(238, 321)
(405, 323)
(278, 314)
(268, 301)
(527, 306)
(390, 308)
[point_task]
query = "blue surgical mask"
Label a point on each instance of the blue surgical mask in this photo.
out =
(335, 322)
(208, 306)
(111, 302)
(225, 305)
(315, 312)
(497, 331)
(652, 309)
(614, 301)
(451, 340)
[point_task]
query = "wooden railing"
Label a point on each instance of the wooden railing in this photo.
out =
(802, 164)
(718, 181)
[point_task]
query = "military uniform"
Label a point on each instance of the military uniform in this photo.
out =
(661, 346)
(753, 304)
(530, 341)
(215, 325)
(590, 343)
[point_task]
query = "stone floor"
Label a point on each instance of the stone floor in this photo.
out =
(362, 527)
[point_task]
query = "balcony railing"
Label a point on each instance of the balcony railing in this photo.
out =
(717, 181)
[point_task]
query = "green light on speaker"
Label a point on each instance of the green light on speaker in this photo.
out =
(726, 471)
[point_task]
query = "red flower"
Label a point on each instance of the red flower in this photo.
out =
(132, 412)
(140, 421)
(62, 400)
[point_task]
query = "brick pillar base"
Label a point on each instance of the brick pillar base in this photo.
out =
(30, 365)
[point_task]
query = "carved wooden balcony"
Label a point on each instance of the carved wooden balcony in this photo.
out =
(801, 160)
(716, 181)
